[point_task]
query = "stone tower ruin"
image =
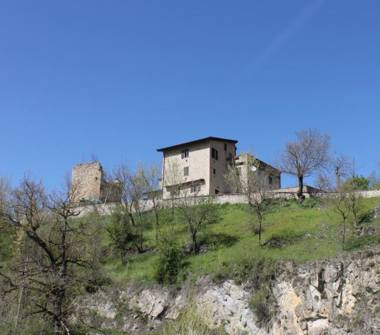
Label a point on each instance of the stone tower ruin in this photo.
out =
(90, 186)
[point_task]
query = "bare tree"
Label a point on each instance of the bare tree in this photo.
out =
(196, 213)
(306, 155)
(150, 180)
(342, 167)
(248, 181)
(172, 181)
(341, 205)
(348, 203)
(57, 258)
(332, 178)
(132, 193)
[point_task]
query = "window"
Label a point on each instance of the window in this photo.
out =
(186, 171)
(225, 146)
(195, 188)
(270, 180)
(174, 193)
(229, 158)
(214, 153)
(185, 153)
(214, 171)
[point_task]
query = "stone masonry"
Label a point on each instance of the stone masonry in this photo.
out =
(90, 186)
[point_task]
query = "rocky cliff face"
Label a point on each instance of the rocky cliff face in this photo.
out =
(337, 297)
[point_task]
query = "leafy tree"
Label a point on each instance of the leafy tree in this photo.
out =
(122, 234)
(358, 183)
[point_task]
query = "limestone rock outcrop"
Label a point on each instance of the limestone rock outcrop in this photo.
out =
(337, 297)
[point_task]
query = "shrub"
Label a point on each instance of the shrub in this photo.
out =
(218, 240)
(311, 202)
(97, 280)
(282, 239)
(358, 242)
(357, 183)
(122, 234)
(253, 270)
(190, 321)
(260, 304)
(170, 263)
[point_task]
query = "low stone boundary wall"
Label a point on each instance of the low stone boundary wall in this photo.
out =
(147, 205)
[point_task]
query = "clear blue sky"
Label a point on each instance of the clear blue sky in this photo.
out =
(118, 79)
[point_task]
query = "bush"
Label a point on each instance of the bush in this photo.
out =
(7, 238)
(97, 280)
(358, 242)
(282, 239)
(190, 321)
(312, 202)
(357, 183)
(260, 304)
(253, 270)
(123, 234)
(170, 263)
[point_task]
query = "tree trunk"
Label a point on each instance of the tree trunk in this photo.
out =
(195, 246)
(338, 180)
(157, 220)
(260, 227)
(300, 188)
(344, 234)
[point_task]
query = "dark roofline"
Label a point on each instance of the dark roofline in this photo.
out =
(206, 139)
(260, 162)
(268, 165)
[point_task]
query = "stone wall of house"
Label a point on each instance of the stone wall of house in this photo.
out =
(268, 176)
(198, 169)
(219, 167)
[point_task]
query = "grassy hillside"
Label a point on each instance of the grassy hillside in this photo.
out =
(292, 231)
(229, 249)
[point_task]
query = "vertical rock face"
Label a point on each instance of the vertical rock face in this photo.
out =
(334, 297)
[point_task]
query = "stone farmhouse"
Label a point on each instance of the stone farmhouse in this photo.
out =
(199, 168)
(269, 176)
(194, 168)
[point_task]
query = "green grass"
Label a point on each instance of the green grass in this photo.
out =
(309, 234)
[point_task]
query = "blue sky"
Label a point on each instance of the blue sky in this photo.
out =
(118, 79)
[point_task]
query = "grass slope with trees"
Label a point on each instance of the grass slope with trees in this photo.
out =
(50, 255)
(291, 232)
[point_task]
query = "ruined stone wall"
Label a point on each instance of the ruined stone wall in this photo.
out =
(87, 181)
(90, 185)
